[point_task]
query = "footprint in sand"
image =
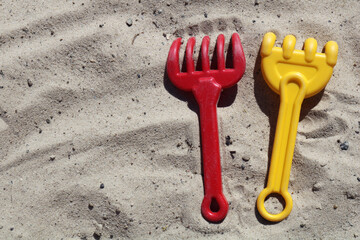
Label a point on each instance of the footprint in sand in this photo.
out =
(320, 124)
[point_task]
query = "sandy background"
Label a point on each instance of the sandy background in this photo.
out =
(85, 101)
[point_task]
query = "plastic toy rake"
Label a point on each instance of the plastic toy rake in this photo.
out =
(206, 85)
(295, 75)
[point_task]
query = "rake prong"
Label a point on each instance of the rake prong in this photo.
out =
(288, 46)
(267, 44)
(205, 63)
(310, 47)
(331, 52)
(173, 67)
(220, 52)
(190, 67)
(238, 55)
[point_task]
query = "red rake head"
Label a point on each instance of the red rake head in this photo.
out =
(224, 76)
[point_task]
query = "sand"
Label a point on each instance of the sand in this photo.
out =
(85, 101)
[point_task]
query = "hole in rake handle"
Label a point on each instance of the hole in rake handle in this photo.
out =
(274, 203)
(214, 205)
(268, 192)
(214, 208)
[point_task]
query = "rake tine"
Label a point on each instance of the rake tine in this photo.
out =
(190, 67)
(310, 47)
(220, 52)
(267, 44)
(205, 64)
(288, 46)
(173, 67)
(238, 54)
(331, 52)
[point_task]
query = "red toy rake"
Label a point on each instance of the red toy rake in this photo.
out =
(206, 86)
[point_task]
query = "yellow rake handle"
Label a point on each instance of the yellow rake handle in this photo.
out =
(292, 93)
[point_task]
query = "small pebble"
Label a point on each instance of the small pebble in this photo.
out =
(186, 2)
(97, 236)
(129, 22)
(245, 158)
(316, 187)
(358, 178)
(48, 121)
(29, 82)
(167, 36)
(90, 206)
(205, 15)
(52, 157)
(101, 25)
(335, 206)
(102, 186)
(232, 153)
(11, 228)
(344, 145)
(155, 24)
(157, 12)
(319, 207)
(350, 195)
(242, 167)
(256, 3)
(228, 140)
(302, 225)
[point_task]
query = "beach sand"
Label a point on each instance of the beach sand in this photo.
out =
(96, 143)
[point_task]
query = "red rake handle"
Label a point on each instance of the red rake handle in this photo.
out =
(207, 93)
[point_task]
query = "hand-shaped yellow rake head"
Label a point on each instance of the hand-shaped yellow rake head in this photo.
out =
(313, 68)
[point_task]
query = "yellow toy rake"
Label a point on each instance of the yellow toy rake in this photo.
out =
(295, 75)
